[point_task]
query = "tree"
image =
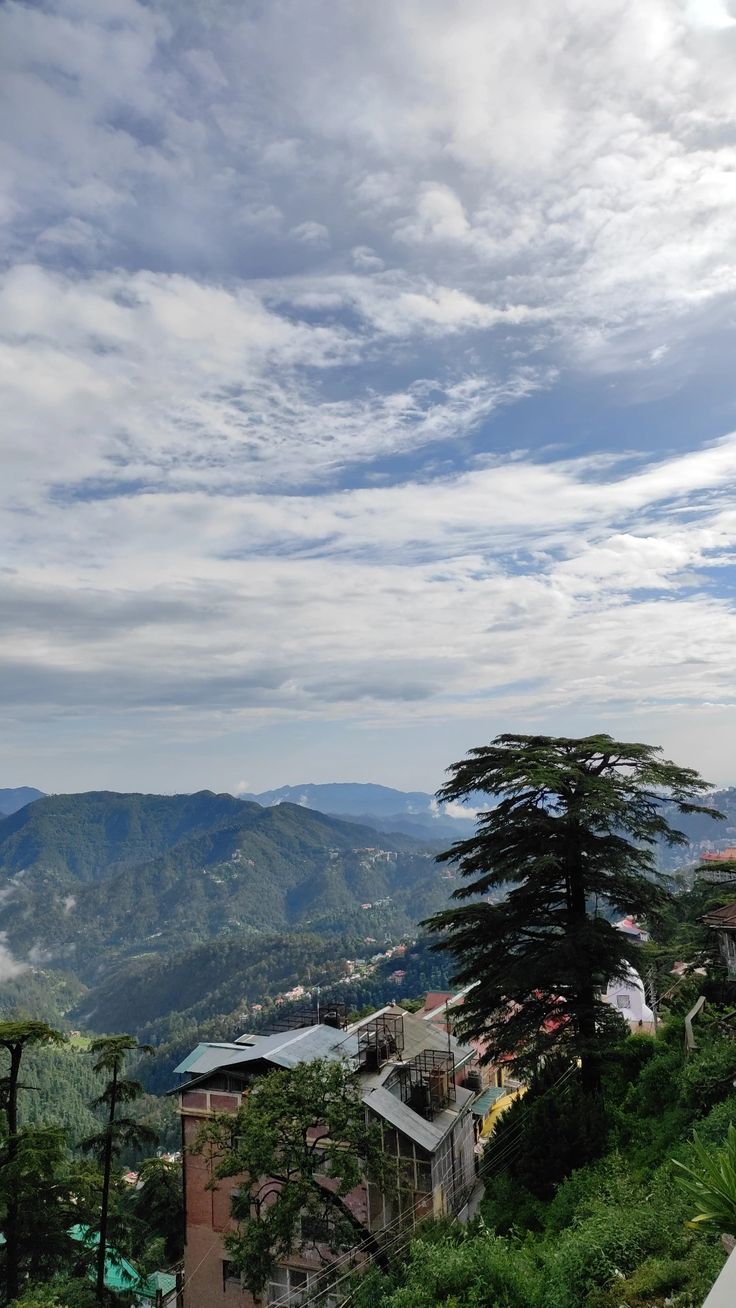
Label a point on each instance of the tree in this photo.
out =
(15, 1038)
(119, 1132)
(159, 1204)
(299, 1145)
(567, 841)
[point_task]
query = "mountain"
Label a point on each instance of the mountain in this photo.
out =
(89, 880)
(414, 812)
(14, 798)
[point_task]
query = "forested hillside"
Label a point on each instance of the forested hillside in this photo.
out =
(91, 879)
(172, 916)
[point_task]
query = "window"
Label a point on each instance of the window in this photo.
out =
(288, 1285)
(316, 1228)
(424, 1176)
(230, 1276)
(623, 1001)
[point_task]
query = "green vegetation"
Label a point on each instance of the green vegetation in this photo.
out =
(613, 1233)
(184, 918)
(97, 883)
(299, 1144)
(570, 830)
(118, 1133)
(46, 1190)
(711, 1183)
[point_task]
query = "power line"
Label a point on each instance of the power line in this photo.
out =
(406, 1235)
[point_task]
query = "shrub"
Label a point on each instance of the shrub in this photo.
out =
(711, 1183)
(481, 1271)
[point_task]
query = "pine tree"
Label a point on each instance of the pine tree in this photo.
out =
(566, 842)
(15, 1038)
(119, 1132)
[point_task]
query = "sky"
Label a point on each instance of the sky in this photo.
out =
(368, 386)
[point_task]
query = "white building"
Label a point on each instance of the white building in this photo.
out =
(629, 997)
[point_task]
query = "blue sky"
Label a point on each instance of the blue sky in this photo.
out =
(368, 385)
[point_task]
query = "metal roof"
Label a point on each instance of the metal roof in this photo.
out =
(420, 1035)
(484, 1103)
(427, 1134)
(284, 1049)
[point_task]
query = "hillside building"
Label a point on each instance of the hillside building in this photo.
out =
(413, 1078)
(723, 922)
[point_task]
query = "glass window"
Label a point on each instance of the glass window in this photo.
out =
(230, 1275)
(315, 1228)
(288, 1285)
(623, 1001)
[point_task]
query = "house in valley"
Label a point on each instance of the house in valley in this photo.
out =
(412, 1077)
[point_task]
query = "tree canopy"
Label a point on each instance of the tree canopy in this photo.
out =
(298, 1145)
(566, 843)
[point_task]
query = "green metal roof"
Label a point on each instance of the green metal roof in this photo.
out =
(484, 1103)
(162, 1281)
(120, 1275)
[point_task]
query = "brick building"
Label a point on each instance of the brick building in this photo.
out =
(411, 1077)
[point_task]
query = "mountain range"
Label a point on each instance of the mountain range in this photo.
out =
(161, 913)
(414, 812)
(88, 881)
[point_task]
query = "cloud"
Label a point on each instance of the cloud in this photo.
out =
(10, 967)
(337, 357)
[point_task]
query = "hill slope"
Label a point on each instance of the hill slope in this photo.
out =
(87, 880)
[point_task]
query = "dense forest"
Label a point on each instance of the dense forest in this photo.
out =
(92, 880)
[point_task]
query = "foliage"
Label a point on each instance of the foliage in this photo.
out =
(554, 1128)
(15, 1038)
(61, 1292)
(570, 831)
(119, 1132)
(299, 1144)
(159, 1204)
(456, 1272)
(711, 1183)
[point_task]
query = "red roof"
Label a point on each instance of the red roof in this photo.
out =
(433, 999)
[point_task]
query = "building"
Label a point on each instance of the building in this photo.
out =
(155, 1291)
(412, 1079)
(718, 866)
(628, 996)
(723, 922)
(631, 928)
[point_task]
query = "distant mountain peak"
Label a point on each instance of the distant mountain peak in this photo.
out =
(16, 797)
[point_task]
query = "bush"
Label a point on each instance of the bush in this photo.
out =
(709, 1076)
(543, 1137)
(481, 1271)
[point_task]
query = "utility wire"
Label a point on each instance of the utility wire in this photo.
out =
(509, 1148)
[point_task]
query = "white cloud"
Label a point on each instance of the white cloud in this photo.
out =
(10, 967)
(275, 276)
(311, 233)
